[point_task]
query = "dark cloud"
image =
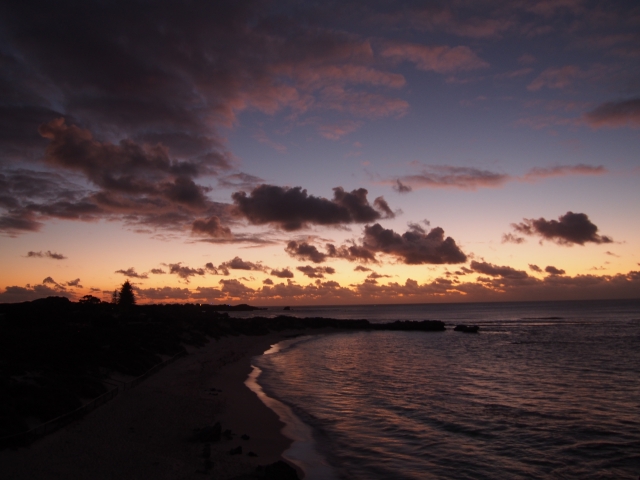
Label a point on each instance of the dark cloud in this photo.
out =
(15, 294)
(235, 289)
(315, 272)
(184, 272)
(238, 264)
(360, 268)
(163, 293)
(498, 271)
(375, 275)
(135, 172)
(551, 270)
(211, 227)
(212, 269)
(144, 94)
(401, 187)
(535, 268)
(284, 273)
(570, 228)
(267, 281)
(415, 246)
(131, 273)
(74, 283)
(305, 251)
(511, 238)
(293, 209)
(47, 254)
(615, 114)
(157, 271)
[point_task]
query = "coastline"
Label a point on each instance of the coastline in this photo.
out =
(147, 430)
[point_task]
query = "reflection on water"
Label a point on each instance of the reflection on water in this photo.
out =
(540, 398)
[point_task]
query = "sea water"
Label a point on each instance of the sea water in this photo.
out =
(544, 390)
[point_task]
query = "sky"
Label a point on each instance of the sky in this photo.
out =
(304, 153)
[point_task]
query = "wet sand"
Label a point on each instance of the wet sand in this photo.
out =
(145, 432)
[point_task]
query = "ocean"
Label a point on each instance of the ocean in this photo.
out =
(544, 390)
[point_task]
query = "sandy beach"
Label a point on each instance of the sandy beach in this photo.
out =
(145, 432)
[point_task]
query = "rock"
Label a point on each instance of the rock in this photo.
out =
(467, 328)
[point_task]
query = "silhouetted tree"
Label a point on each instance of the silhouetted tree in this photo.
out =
(90, 299)
(115, 296)
(126, 298)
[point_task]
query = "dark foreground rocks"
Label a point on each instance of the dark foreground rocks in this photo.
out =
(467, 328)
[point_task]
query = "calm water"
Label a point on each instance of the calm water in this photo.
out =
(545, 390)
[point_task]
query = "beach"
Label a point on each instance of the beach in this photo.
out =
(147, 432)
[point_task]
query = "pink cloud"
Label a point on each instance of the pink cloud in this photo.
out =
(556, 78)
(539, 173)
(470, 178)
(439, 59)
(337, 131)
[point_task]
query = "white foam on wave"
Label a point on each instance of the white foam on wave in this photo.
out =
(302, 451)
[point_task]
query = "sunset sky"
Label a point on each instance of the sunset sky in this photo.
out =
(298, 153)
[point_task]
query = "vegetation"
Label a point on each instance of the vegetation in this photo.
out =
(126, 297)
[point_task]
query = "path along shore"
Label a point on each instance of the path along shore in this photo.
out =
(145, 432)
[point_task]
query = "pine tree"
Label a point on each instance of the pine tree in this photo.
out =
(126, 297)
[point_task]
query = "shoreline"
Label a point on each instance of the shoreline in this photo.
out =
(147, 430)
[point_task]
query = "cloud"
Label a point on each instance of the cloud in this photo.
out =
(15, 294)
(293, 209)
(511, 238)
(163, 293)
(556, 78)
(184, 272)
(498, 271)
(131, 273)
(316, 272)
(267, 281)
(625, 113)
(439, 59)
(212, 269)
(401, 187)
(238, 264)
(284, 273)
(538, 173)
(337, 131)
(535, 268)
(47, 254)
(360, 268)
(551, 270)
(157, 271)
(211, 227)
(305, 251)
(444, 176)
(415, 246)
(570, 228)
(470, 178)
(74, 283)
(235, 289)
